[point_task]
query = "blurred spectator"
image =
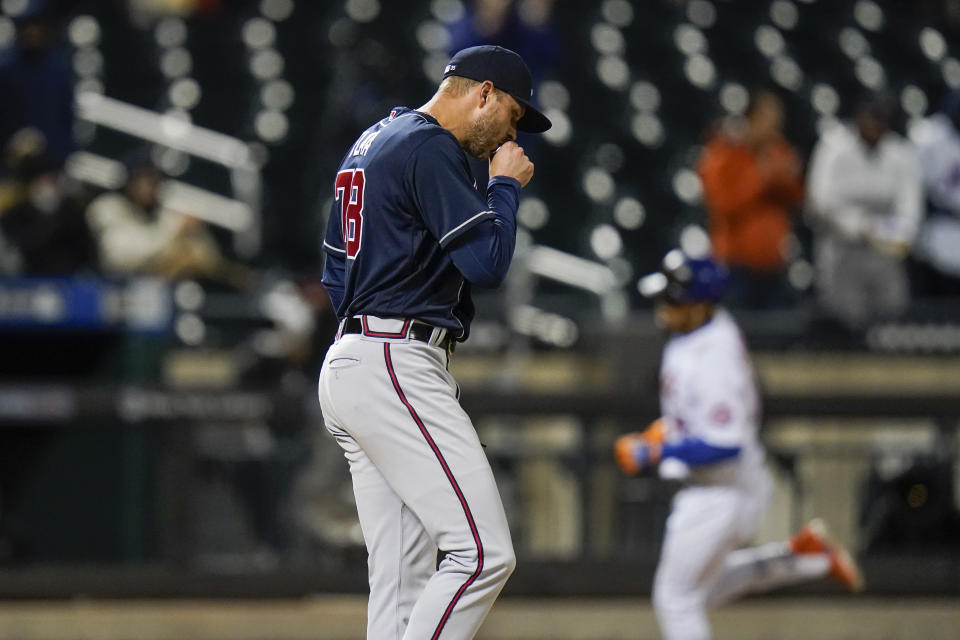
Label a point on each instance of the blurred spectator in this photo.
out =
(539, 42)
(865, 205)
(525, 27)
(42, 220)
(484, 22)
(24, 144)
(751, 180)
(36, 82)
(938, 146)
(136, 234)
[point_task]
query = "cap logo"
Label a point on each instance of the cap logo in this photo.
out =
(450, 67)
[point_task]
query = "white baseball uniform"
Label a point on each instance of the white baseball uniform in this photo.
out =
(708, 392)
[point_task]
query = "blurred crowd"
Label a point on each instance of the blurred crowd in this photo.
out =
(882, 206)
(51, 224)
(876, 205)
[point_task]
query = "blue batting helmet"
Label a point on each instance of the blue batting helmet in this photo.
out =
(685, 279)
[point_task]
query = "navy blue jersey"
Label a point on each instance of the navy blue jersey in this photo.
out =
(402, 195)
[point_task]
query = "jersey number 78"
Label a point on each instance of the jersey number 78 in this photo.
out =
(349, 193)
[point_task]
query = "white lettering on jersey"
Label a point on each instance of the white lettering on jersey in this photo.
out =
(362, 145)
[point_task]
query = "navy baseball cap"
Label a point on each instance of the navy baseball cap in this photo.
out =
(508, 73)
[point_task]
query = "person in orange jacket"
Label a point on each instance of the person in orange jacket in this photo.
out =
(752, 180)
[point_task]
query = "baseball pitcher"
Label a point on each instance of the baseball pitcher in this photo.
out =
(408, 236)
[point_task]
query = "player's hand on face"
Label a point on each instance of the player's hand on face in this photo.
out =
(511, 161)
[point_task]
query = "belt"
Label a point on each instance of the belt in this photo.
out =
(412, 329)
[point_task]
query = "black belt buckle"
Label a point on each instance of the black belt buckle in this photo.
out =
(422, 331)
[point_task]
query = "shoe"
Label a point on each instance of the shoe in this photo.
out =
(813, 538)
(810, 539)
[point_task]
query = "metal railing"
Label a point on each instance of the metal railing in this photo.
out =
(241, 214)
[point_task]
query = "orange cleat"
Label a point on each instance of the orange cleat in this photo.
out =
(813, 538)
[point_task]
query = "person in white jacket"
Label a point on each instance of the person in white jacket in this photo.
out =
(937, 139)
(137, 235)
(865, 204)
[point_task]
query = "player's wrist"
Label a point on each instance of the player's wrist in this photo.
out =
(648, 454)
(504, 179)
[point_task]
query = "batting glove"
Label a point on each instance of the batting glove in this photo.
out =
(655, 433)
(634, 452)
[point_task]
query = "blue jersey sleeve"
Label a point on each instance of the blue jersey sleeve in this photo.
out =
(695, 452)
(483, 254)
(444, 189)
